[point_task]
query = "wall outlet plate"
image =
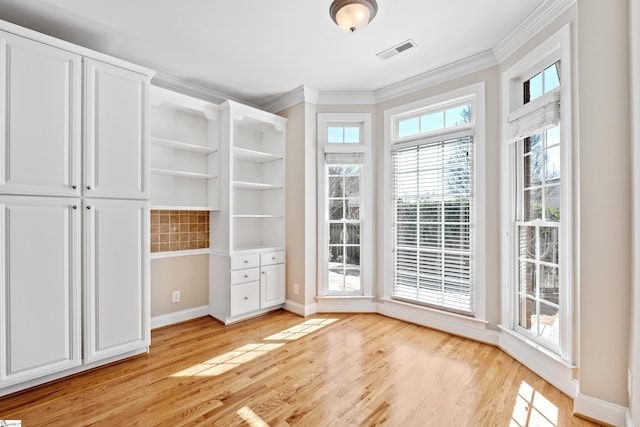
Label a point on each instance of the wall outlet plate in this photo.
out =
(175, 296)
(296, 288)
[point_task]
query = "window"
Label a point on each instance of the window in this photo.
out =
(344, 228)
(536, 260)
(434, 225)
(432, 186)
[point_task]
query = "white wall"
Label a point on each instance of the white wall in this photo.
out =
(605, 198)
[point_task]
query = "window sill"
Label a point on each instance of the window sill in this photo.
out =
(541, 360)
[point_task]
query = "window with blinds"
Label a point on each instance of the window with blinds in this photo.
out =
(432, 193)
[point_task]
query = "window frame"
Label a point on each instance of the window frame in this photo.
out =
(474, 95)
(556, 48)
(361, 150)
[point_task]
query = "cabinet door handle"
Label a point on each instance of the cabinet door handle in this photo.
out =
(88, 207)
(74, 207)
(88, 187)
(246, 298)
(74, 186)
(273, 258)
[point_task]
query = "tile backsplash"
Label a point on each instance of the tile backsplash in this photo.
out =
(176, 230)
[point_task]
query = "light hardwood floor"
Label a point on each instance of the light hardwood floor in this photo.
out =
(281, 369)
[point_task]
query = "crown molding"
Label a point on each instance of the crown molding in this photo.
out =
(186, 88)
(454, 70)
(291, 98)
(346, 98)
(527, 29)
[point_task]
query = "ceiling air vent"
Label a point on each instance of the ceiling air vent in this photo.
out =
(399, 48)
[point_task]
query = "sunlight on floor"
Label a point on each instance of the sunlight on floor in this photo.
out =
(532, 409)
(234, 358)
(299, 331)
(251, 417)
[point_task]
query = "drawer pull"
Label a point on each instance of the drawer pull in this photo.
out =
(246, 261)
(273, 258)
(246, 298)
(246, 276)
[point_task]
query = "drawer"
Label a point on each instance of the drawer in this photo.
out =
(245, 298)
(245, 261)
(269, 258)
(243, 276)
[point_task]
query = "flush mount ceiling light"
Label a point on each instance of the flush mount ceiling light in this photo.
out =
(353, 15)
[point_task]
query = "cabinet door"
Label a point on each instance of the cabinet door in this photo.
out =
(39, 118)
(272, 285)
(116, 277)
(40, 328)
(116, 132)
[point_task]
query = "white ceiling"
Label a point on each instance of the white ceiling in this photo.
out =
(257, 50)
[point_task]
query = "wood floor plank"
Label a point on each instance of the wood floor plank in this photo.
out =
(284, 370)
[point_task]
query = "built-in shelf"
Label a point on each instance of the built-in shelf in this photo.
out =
(257, 248)
(254, 185)
(178, 145)
(254, 156)
(183, 174)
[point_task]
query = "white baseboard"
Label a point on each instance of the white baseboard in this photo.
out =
(179, 316)
(347, 305)
(602, 410)
(300, 309)
(455, 324)
(629, 419)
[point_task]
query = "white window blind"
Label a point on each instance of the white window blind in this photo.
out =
(432, 191)
(533, 117)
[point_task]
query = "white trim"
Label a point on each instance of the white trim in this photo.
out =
(556, 47)
(300, 309)
(476, 95)
(629, 419)
(548, 365)
(446, 73)
(347, 98)
(324, 120)
(179, 316)
(347, 304)
(456, 324)
(291, 98)
(547, 12)
(601, 410)
(190, 89)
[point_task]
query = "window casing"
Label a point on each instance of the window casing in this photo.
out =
(434, 240)
(536, 198)
(344, 197)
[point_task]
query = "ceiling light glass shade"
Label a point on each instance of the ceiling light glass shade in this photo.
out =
(353, 15)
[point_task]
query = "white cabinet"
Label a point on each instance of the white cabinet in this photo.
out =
(184, 142)
(248, 230)
(74, 267)
(116, 300)
(40, 118)
(115, 132)
(272, 285)
(40, 325)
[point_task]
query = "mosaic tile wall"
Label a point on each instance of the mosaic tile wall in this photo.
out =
(179, 230)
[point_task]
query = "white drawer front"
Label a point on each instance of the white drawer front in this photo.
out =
(245, 261)
(270, 258)
(243, 276)
(245, 298)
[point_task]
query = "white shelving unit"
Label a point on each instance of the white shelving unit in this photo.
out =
(248, 231)
(184, 139)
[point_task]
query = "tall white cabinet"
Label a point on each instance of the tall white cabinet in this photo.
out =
(74, 228)
(248, 230)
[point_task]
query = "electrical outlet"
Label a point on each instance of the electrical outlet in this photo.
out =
(296, 288)
(175, 297)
